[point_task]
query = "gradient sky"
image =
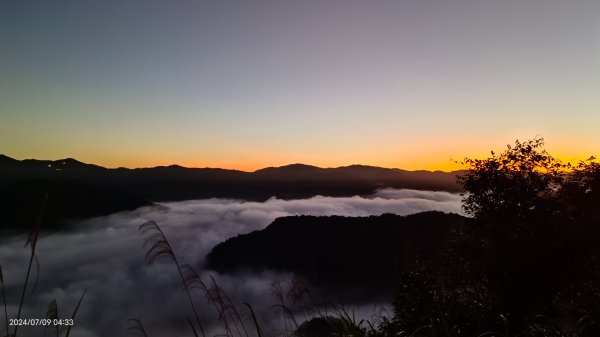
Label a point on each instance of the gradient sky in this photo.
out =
(248, 84)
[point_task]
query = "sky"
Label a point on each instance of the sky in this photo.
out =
(245, 84)
(109, 262)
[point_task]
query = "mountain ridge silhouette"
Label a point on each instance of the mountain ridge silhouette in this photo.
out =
(83, 189)
(4, 158)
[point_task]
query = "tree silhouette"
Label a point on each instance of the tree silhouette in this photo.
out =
(517, 185)
(527, 259)
(535, 222)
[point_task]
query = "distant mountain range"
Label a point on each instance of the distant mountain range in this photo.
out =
(84, 190)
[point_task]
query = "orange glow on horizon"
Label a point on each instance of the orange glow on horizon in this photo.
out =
(430, 154)
(421, 164)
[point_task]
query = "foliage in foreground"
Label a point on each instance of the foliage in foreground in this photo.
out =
(52, 312)
(526, 263)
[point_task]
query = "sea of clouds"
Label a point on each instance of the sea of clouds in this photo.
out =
(105, 255)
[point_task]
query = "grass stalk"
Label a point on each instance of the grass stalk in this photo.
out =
(192, 326)
(4, 301)
(32, 242)
(136, 327)
(24, 290)
(75, 313)
(160, 248)
(52, 313)
(258, 332)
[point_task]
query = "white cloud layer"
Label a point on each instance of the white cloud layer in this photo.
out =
(105, 256)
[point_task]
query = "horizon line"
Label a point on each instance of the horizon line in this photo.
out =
(224, 168)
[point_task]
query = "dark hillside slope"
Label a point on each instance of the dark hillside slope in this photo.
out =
(353, 251)
(22, 202)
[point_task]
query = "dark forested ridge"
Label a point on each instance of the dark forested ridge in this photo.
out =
(365, 252)
(75, 189)
(175, 182)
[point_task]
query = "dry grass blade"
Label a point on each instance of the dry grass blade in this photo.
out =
(277, 291)
(288, 314)
(214, 296)
(75, 313)
(228, 312)
(289, 321)
(258, 331)
(298, 291)
(52, 313)
(136, 328)
(234, 313)
(192, 279)
(4, 300)
(32, 242)
(192, 326)
(214, 293)
(158, 248)
(37, 274)
(32, 238)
